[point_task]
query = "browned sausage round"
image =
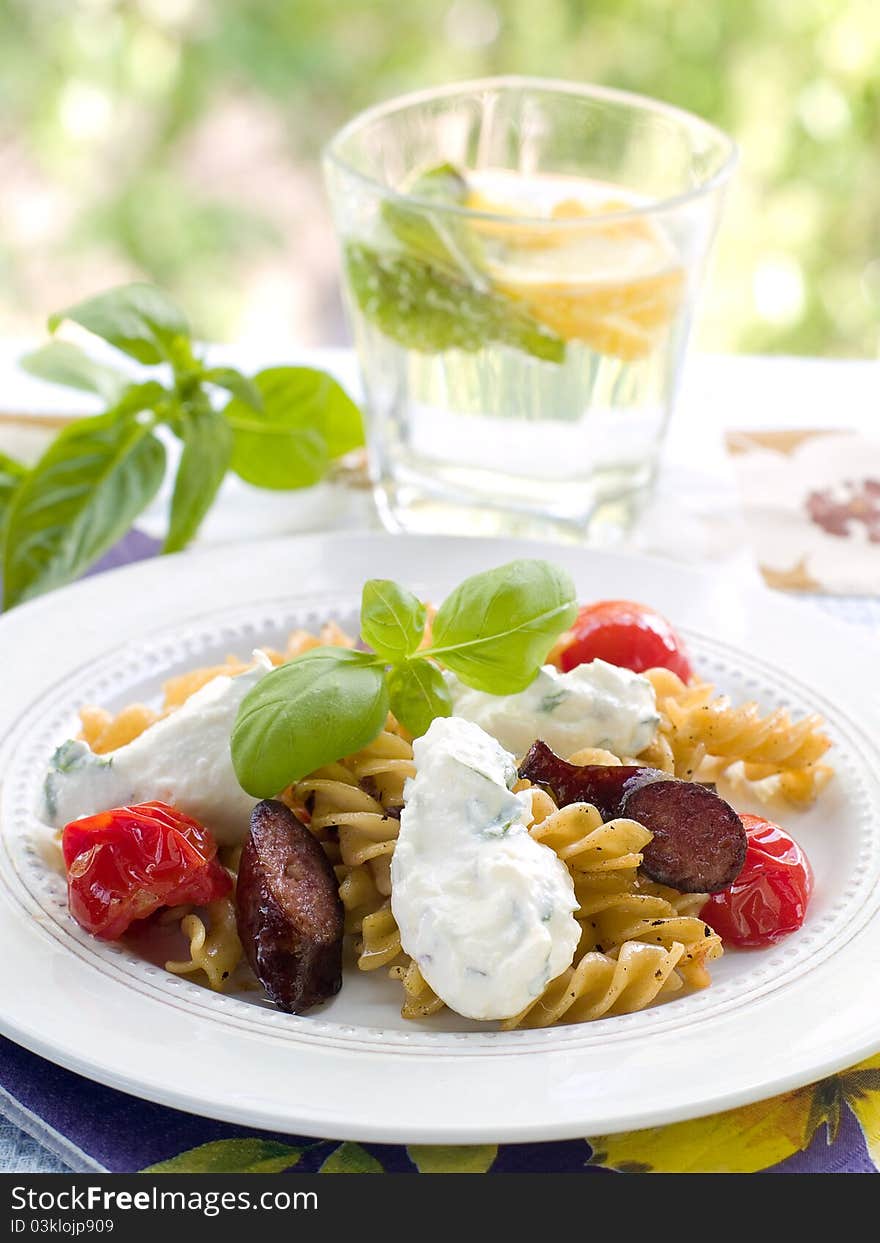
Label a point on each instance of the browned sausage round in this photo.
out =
(603, 785)
(288, 910)
(698, 844)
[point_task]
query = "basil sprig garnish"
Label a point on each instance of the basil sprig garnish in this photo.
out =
(424, 308)
(440, 238)
(429, 289)
(392, 619)
(11, 475)
(327, 703)
(494, 631)
(279, 429)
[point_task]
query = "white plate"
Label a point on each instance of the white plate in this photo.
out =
(772, 1020)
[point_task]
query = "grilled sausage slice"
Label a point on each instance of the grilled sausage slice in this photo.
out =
(699, 843)
(603, 785)
(288, 910)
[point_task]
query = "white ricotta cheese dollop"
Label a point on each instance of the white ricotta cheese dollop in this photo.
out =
(593, 705)
(183, 759)
(485, 910)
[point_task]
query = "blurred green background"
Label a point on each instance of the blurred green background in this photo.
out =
(178, 140)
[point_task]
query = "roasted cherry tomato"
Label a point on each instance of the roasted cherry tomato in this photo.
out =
(124, 864)
(769, 898)
(624, 633)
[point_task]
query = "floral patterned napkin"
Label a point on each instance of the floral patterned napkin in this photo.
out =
(832, 1127)
(811, 500)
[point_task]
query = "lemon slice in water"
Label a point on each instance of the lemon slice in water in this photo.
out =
(615, 283)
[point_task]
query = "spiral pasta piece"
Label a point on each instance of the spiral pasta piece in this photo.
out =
(105, 732)
(379, 942)
(596, 755)
(214, 948)
(177, 690)
(420, 1000)
(585, 843)
(699, 730)
(616, 919)
(601, 985)
(359, 801)
(359, 895)
(615, 904)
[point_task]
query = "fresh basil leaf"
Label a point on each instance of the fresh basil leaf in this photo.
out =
(321, 706)
(207, 449)
(438, 237)
(424, 309)
(184, 364)
(11, 475)
(234, 382)
(496, 629)
(80, 498)
(150, 395)
(138, 319)
(392, 619)
(61, 362)
(306, 419)
(321, 401)
(280, 459)
(418, 694)
(297, 397)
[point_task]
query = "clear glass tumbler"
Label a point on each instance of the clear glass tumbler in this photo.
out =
(521, 260)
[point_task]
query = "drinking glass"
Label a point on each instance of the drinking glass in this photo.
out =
(521, 259)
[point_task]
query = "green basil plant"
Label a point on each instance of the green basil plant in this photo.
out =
(278, 429)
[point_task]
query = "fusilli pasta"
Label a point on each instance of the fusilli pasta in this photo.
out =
(214, 947)
(360, 799)
(638, 939)
(704, 735)
(601, 985)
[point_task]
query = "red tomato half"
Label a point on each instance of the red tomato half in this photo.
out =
(124, 864)
(769, 898)
(624, 633)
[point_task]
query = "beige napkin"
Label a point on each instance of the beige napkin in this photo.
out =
(811, 500)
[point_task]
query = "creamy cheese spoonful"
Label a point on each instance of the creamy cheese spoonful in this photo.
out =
(485, 910)
(182, 759)
(593, 705)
